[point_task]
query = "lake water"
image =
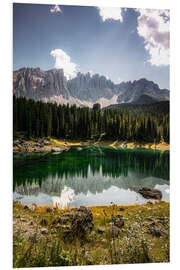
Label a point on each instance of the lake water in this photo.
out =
(90, 176)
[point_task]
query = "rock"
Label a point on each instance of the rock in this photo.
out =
(149, 202)
(56, 149)
(114, 231)
(58, 226)
(67, 217)
(37, 84)
(23, 219)
(150, 193)
(54, 222)
(31, 207)
(66, 227)
(79, 149)
(47, 143)
(66, 234)
(163, 220)
(118, 221)
(44, 231)
(49, 210)
(122, 209)
(43, 222)
(155, 231)
(31, 223)
(16, 143)
(150, 219)
(100, 230)
(82, 221)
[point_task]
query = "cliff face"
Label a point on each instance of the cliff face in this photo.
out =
(84, 89)
(38, 84)
(131, 92)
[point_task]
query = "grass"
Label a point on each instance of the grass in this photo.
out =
(135, 244)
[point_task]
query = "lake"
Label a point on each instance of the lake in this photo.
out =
(89, 176)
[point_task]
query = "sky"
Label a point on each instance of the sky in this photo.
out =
(121, 44)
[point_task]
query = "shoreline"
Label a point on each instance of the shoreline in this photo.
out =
(51, 144)
(43, 207)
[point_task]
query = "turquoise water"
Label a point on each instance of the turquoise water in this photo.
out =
(90, 176)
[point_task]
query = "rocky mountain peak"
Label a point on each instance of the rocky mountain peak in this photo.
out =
(86, 89)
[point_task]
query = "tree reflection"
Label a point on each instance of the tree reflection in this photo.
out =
(92, 169)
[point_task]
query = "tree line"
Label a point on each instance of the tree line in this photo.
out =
(147, 123)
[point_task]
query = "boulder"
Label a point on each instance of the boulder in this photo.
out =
(44, 231)
(63, 219)
(56, 149)
(31, 207)
(150, 193)
(16, 143)
(82, 221)
(100, 230)
(68, 215)
(23, 219)
(154, 231)
(49, 210)
(47, 143)
(118, 221)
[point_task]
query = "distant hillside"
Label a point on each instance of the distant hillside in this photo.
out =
(125, 122)
(158, 107)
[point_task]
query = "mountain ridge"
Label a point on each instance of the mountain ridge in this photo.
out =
(84, 89)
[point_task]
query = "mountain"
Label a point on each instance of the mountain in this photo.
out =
(84, 89)
(37, 84)
(161, 107)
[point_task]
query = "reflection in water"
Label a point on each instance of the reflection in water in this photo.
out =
(93, 176)
(65, 198)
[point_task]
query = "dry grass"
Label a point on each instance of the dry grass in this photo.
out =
(64, 144)
(134, 244)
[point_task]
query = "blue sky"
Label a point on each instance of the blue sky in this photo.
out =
(122, 44)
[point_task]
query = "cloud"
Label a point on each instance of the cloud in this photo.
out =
(119, 80)
(153, 26)
(55, 9)
(62, 60)
(110, 13)
(91, 72)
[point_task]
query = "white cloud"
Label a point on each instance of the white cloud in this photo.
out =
(119, 80)
(62, 60)
(55, 9)
(110, 13)
(91, 72)
(153, 26)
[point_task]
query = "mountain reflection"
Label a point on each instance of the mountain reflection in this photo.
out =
(93, 169)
